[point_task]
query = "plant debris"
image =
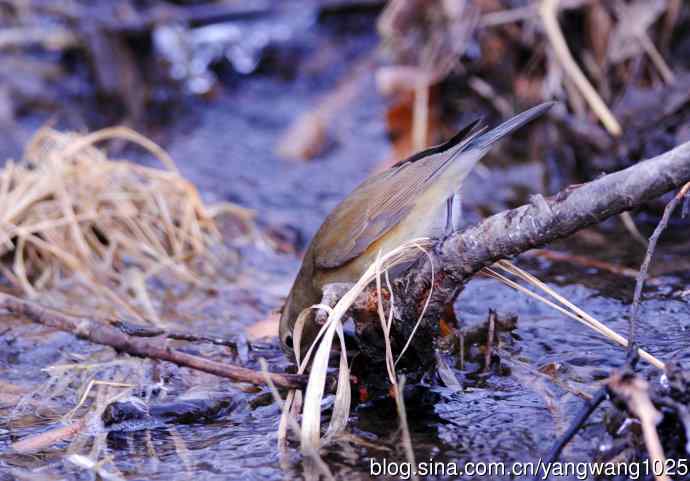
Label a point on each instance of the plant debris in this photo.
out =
(68, 210)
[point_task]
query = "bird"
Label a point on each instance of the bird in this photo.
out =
(416, 197)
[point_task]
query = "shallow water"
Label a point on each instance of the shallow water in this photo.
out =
(226, 147)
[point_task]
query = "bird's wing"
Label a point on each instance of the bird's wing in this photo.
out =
(354, 225)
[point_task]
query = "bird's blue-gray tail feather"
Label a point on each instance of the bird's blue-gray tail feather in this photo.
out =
(485, 140)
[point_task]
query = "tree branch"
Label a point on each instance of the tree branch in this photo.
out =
(153, 348)
(511, 232)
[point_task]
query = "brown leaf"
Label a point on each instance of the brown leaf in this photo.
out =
(400, 119)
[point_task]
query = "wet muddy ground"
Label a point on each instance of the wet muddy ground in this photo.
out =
(513, 413)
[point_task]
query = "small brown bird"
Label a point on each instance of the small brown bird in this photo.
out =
(417, 197)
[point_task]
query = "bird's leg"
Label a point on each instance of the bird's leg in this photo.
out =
(449, 215)
(457, 211)
(453, 213)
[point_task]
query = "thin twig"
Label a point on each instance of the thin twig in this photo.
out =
(490, 340)
(48, 438)
(138, 330)
(101, 333)
(642, 276)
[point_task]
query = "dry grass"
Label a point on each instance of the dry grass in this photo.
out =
(80, 228)
(310, 429)
(67, 210)
(561, 304)
(319, 353)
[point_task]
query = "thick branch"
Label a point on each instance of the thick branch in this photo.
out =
(545, 220)
(153, 348)
(511, 232)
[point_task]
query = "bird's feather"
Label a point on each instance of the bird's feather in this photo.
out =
(354, 225)
(386, 205)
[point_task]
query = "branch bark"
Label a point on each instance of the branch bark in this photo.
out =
(511, 232)
(152, 348)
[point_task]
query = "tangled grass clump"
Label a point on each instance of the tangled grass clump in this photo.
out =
(67, 209)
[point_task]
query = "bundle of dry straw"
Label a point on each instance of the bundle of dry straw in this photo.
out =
(68, 209)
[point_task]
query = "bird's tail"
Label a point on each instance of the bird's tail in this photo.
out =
(486, 140)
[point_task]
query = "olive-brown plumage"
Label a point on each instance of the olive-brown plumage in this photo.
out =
(407, 201)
